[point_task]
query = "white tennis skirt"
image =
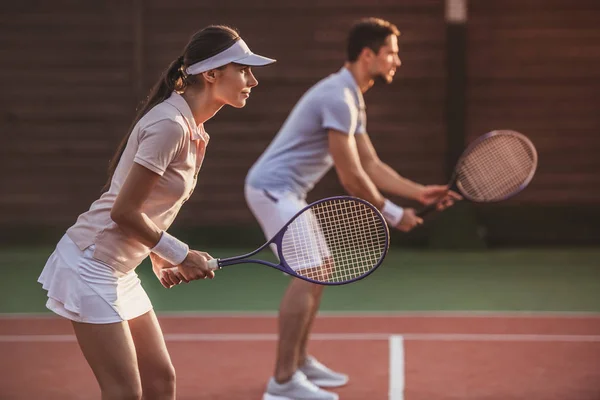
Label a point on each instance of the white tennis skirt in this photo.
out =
(84, 289)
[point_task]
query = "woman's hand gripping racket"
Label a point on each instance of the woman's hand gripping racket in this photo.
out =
(333, 241)
(498, 165)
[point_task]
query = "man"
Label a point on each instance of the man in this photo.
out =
(328, 127)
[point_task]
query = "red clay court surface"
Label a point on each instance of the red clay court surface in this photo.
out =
(442, 357)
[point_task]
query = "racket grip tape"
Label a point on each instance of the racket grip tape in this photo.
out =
(427, 210)
(214, 264)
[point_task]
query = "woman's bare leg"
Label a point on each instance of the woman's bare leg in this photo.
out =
(156, 370)
(110, 352)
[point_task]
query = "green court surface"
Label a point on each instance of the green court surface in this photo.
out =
(409, 280)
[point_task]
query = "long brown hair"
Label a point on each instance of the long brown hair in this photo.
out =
(202, 45)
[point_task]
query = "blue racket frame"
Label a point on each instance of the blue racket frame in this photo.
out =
(278, 238)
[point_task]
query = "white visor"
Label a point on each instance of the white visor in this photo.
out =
(238, 53)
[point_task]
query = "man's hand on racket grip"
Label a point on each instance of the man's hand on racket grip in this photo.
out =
(440, 194)
(409, 220)
(195, 266)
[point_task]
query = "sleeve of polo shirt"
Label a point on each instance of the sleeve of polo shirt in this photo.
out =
(362, 122)
(340, 113)
(159, 144)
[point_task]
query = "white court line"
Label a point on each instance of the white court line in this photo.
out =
(388, 314)
(396, 367)
(269, 337)
(347, 314)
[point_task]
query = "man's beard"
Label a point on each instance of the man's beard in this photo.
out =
(381, 78)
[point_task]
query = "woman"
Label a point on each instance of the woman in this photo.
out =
(90, 277)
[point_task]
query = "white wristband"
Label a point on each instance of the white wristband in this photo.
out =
(171, 249)
(392, 213)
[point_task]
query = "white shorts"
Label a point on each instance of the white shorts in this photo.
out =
(274, 209)
(84, 289)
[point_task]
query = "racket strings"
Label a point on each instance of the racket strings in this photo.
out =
(353, 255)
(335, 241)
(496, 168)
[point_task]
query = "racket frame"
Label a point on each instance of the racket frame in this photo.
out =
(453, 184)
(482, 138)
(277, 239)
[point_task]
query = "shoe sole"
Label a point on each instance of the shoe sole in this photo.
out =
(268, 396)
(325, 383)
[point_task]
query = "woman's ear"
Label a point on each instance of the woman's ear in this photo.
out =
(211, 75)
(367, 54)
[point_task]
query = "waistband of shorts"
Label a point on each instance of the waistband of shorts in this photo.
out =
(276, 191)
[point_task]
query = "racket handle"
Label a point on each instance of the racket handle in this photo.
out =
(214, 264)
(427, 210)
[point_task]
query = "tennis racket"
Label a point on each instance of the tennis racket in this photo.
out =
(333, 241)
(496, 166)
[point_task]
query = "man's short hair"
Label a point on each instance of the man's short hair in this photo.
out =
(370, 33)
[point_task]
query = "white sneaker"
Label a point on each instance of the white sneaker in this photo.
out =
(322, 376)
(297, 388)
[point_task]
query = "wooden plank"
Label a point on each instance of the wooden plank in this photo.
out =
(186, 6)
(78, 129)
(534, 69)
